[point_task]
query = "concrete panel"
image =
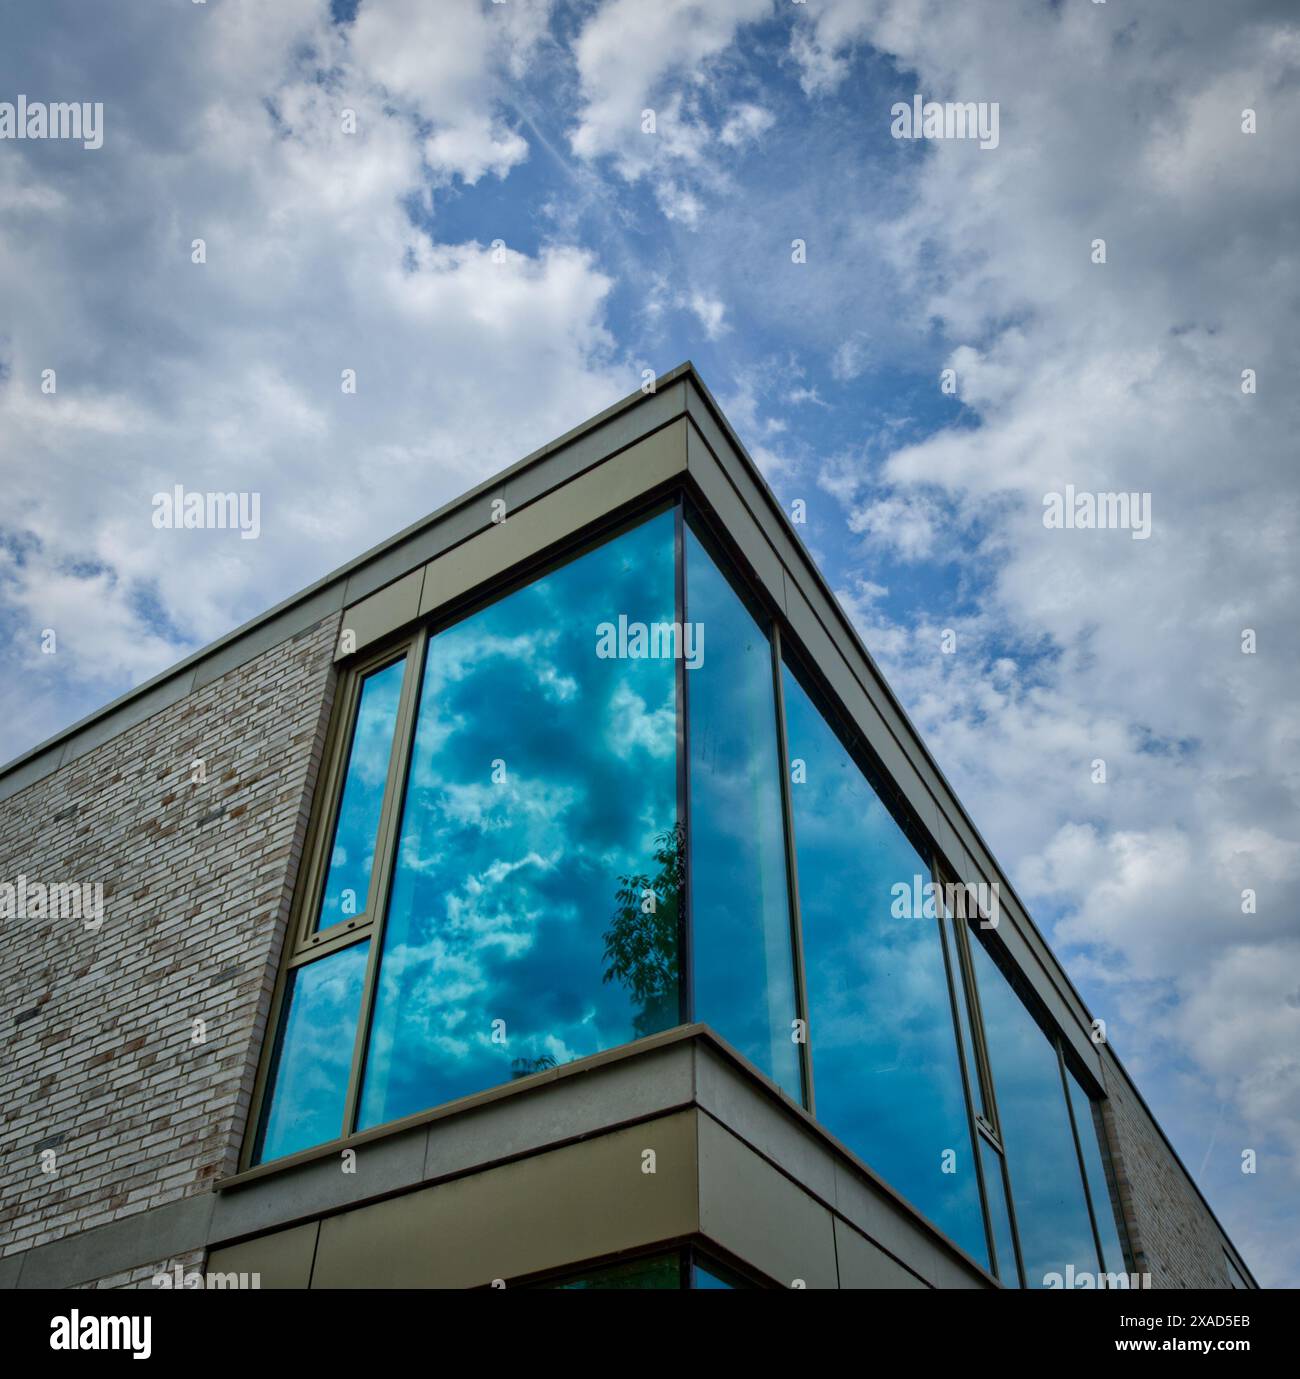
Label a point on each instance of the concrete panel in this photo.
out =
(758, 1214)
(144, 1238)
(543, 1212)
(778, 1134)
(530, 530)
(282, 1259)
(864, 1264)
(563, 1109)
(383, 612)
(899, 1232)
(383, 1165)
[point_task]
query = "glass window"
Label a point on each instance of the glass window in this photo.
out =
(1051, 1211)
(887, 1078)
(708, 1273)
(952, 942)
(660, 1271)
(1088, 1123)
(740, 900)
(995, 1189)
(352, 852)
(308, 1081)
(1236, 1279)
(533, 914)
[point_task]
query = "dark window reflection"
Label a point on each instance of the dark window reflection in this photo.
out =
(744, 968)
(352, 853)
(309, 1077)
(1051, 1212)
(995, 1190)
(662, 1271)
(533, 916)
(952, 942)
(1087, 1120)
(886, 1070)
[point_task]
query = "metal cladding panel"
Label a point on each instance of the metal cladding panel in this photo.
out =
(560, 514)
(282, 1259)
(381, 613)
(749, 1208)
(580, 1202)
(863, 1264)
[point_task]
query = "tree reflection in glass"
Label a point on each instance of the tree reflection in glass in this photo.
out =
(541, 773)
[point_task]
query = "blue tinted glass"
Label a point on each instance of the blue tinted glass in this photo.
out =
(953, 945)
(534, 906)
(704, 1279)
(1051, 1213)
(740, 901)
(886, 1072)
(995, 1190)
(1087, 1121)
(662, 1272)
(352, 854)
(309, 1078)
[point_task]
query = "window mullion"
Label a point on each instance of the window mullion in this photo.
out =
(1078, 1150)
(385, 852)
(792, 873)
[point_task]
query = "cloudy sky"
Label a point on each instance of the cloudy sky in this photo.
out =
(521, 122)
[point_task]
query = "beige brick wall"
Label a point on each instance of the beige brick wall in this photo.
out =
(1175, 1237)
(100, 1062)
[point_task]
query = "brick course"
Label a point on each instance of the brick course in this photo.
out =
(101, 1064)
(1173, 1234)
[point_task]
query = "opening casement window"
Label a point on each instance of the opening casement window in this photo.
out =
(612, 796)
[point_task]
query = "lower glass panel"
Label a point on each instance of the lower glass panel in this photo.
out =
(995, 1189)
(1051, 1211)
(887, 1078)
(352, 854)
(662, 1271)
(534, 908)
(1087, 1121)
(308, 1084)
(740, 899)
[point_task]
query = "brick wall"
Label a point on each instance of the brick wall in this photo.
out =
(101, 1065)
(1175, 1237)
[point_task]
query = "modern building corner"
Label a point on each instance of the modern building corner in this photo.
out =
(554, 896)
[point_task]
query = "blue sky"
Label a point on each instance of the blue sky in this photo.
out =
(522, 122)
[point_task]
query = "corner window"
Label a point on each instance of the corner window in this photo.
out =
(535, 900)
(740, 901)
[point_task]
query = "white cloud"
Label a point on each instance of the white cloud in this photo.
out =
(1122, 376)
(226, 375)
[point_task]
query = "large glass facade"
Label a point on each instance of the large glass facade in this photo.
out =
(607, 802)
(887, 1073)
(740, 903)
(535, 900)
